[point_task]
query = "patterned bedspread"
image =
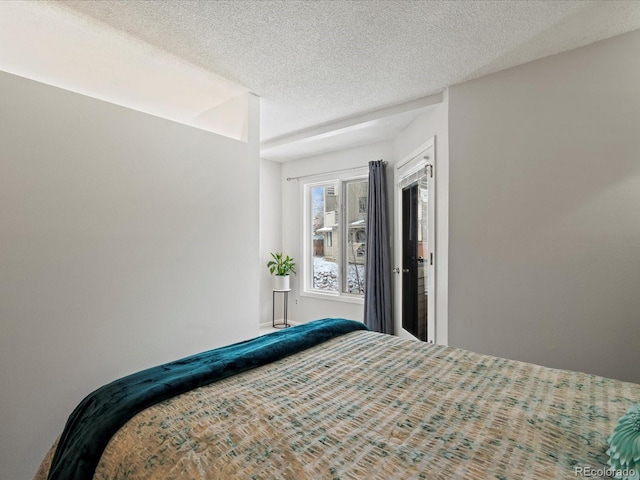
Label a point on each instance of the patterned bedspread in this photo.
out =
(371, 406)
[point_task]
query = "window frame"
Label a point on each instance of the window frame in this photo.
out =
(341, 182)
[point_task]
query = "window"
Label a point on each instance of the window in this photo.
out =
(356, 207)
(335, 218)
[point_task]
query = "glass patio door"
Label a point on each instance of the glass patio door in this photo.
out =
(415, 246)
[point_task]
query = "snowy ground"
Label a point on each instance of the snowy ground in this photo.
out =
(325, 276)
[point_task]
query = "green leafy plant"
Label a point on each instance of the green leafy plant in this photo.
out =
(281, 265)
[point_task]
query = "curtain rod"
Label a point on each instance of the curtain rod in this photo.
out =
(329, 173)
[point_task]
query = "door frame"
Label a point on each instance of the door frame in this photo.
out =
(409, 165)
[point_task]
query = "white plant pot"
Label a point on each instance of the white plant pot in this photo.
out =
(281, 282)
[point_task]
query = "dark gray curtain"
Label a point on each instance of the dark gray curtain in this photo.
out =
(377, 292)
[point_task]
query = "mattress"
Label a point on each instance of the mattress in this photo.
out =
(370, 406)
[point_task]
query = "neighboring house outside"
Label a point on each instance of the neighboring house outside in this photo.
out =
(328, 228)
(326, 241)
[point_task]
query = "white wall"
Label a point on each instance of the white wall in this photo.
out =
(545, 211)
(270, 230)
(432, 123)
(125, 241)
(303, 308)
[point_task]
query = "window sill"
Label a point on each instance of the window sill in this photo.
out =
(332, 297)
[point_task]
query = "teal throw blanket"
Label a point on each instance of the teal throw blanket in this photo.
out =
(101, 414)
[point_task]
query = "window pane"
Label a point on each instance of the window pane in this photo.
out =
(324, 235)
(356, 208)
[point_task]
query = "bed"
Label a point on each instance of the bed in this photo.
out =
(362, 405)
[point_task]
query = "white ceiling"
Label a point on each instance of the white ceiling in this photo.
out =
(315, 63)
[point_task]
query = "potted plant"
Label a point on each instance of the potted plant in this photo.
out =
(281, 267)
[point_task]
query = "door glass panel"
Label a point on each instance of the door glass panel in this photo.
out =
(415, 258)
(409, 252)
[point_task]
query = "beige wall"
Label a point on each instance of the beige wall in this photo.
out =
(544, 249)
(433, 122)
(125, 241)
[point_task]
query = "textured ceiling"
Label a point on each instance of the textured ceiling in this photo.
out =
(316, 62)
